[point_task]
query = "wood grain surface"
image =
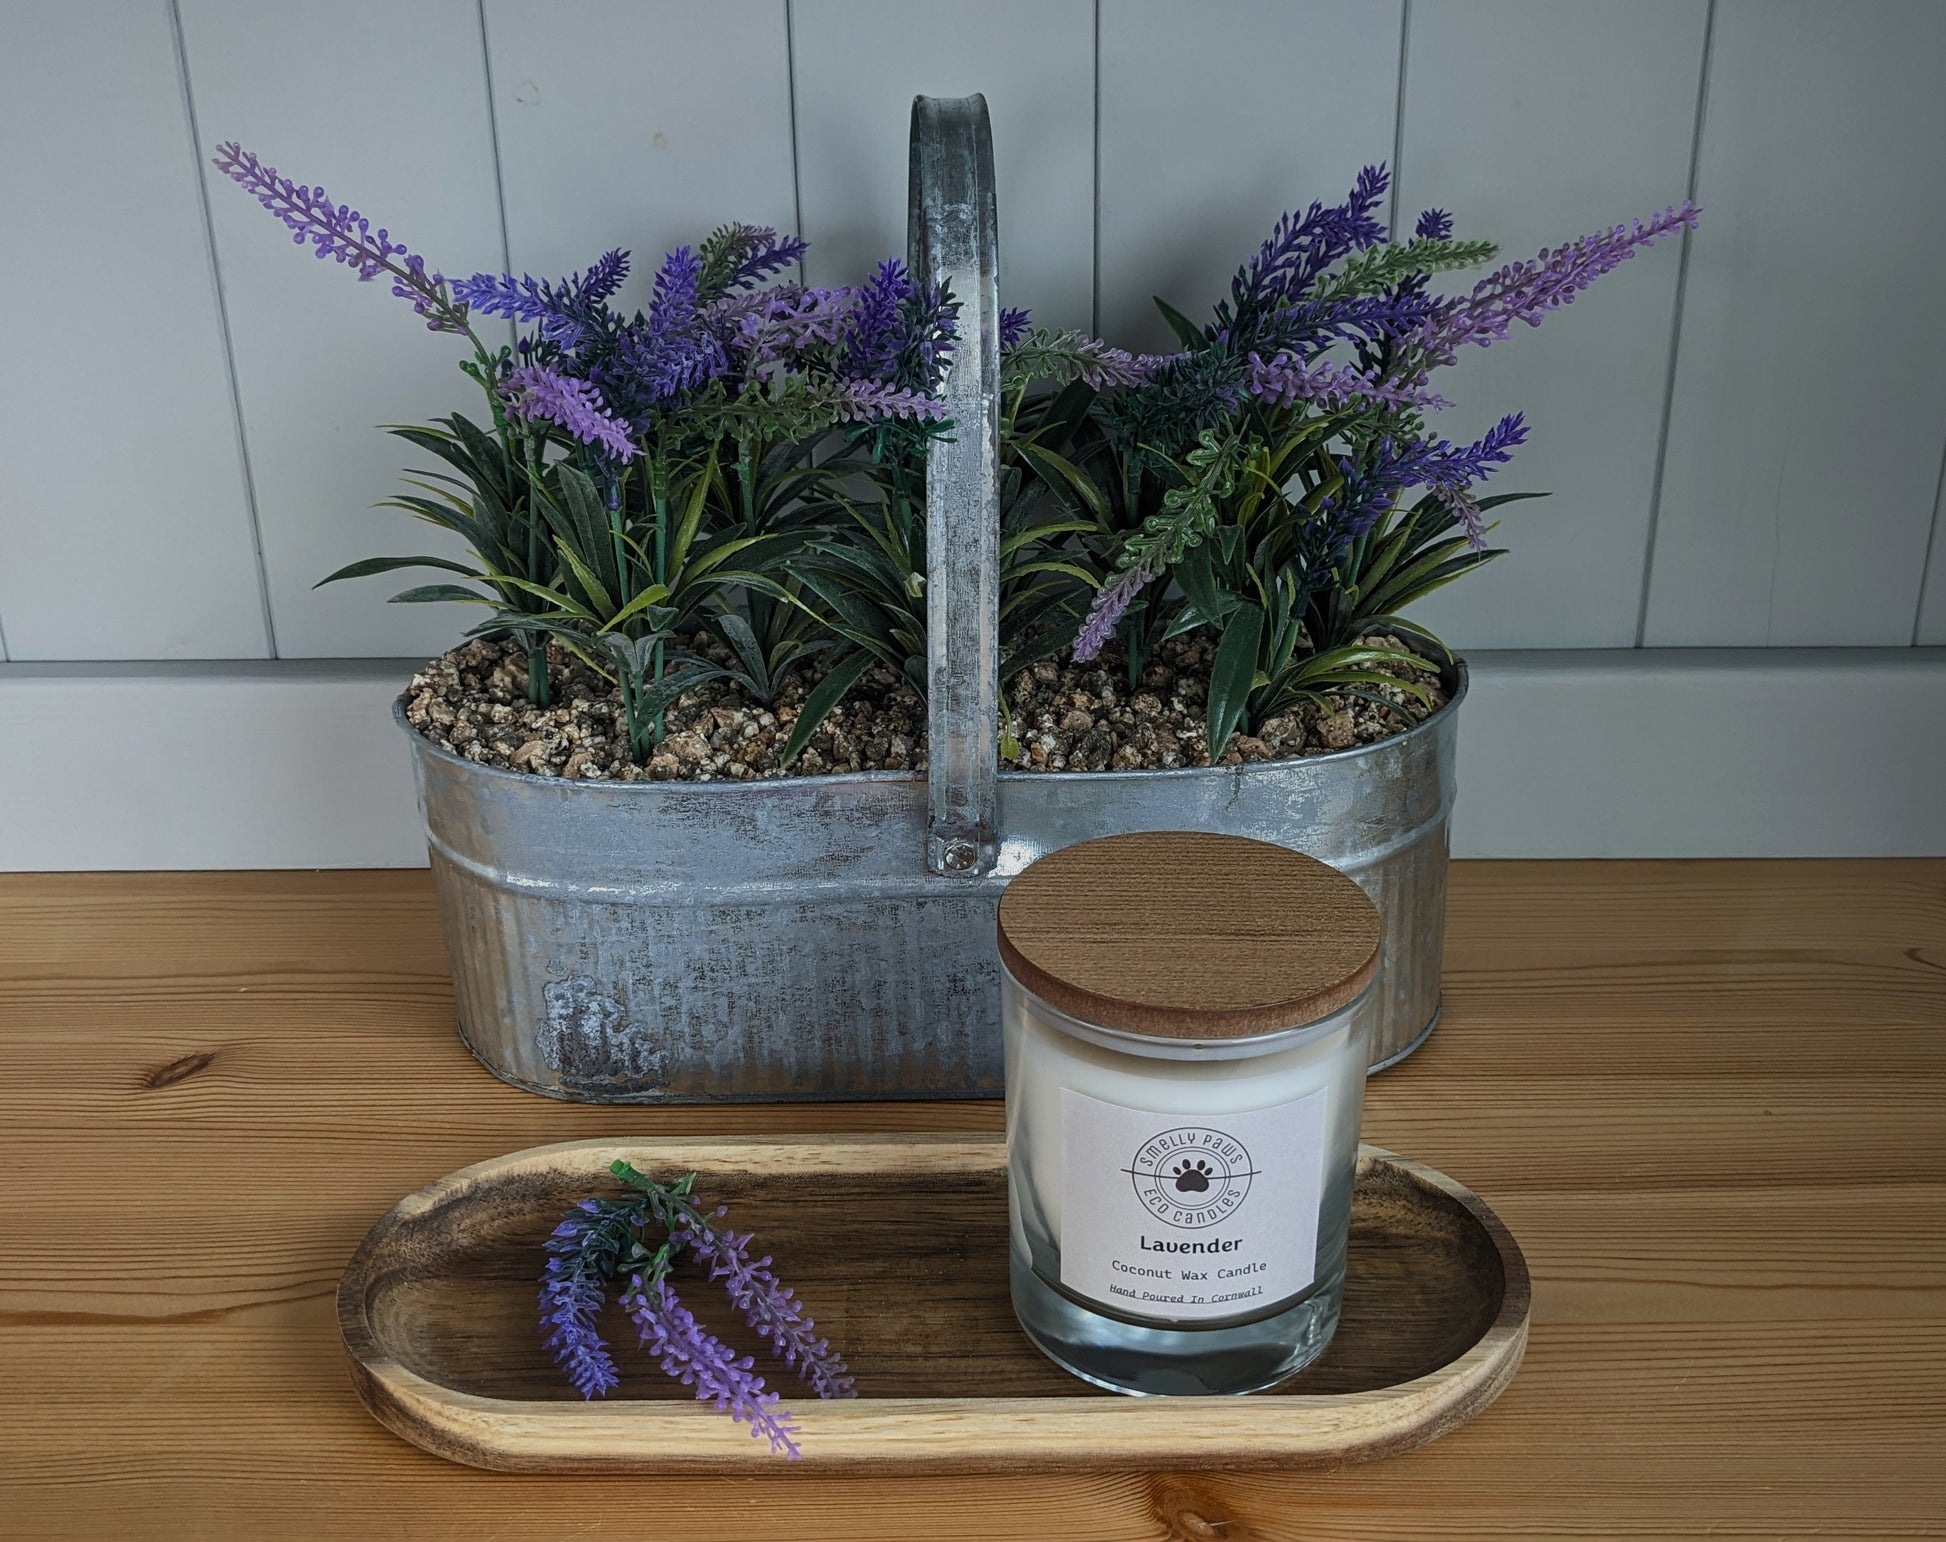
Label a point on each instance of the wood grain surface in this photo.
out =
(1187, 934)
(898, 1244)
(1709, 1098)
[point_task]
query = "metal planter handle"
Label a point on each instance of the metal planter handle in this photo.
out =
(954, 239)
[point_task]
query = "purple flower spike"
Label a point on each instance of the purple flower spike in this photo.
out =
(866, 401)
(1286, 380)
(540, 394)
(570, 1302)
(1111, 604)
(1434, 225)
(697, 1358)
(342, 234)
(1527, 291)
(770, 1307)
(1013, 326)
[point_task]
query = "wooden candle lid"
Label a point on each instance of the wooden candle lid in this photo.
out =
(1187, 935)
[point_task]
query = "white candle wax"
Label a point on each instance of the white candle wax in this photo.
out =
(1222, 1160)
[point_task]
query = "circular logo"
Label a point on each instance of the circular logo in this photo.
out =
(1191, 1177)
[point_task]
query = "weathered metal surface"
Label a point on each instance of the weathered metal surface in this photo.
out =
(831, 937)
(680, 942)
(955, 240)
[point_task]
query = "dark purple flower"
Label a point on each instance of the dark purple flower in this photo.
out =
(566, 313)
(697, 1358)
(540, 394)
(1527, 291)
(1434, 225)
(1013, 326)
(738, 257)
(899, 333)
(1450, 471)
(1112, 601)
(1301, 246)
(1285, 380)
(344, 235)
(770, 1307)
(570, 1303)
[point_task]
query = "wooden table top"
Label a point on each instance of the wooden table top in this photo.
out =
(1710, 1099)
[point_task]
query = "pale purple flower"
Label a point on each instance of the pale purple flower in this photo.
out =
(541, 394)
(697, 1358)
(341, 233)
(1527, 291)
(1112, 601)
(866, 401)
(1285, 380)
(770, 1307)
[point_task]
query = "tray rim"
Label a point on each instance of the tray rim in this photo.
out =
(910, 1435)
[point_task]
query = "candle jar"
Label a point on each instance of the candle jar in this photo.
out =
(1185, 1024)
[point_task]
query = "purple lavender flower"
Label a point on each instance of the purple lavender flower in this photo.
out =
(1285, 380)
(1013, 326)
(569, 1305)
(1434, 225)
(344, 235)
(899, 334)
(1112, 601)
(770, 1307)
(542, 394)
(1300, 247)
(866, 401)
(583, 1246)
(1527, 291)
(739, 257)
(697, 1358)
(566, 313)
(1449, 470)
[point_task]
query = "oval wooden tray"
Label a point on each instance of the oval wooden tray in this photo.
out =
(898, 1246)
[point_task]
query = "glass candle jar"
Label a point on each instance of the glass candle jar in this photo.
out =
(1185, 1024)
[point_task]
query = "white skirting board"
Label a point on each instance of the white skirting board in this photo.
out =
(1657, 753)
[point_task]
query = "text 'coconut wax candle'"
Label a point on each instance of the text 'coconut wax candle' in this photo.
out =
(1185, 1041)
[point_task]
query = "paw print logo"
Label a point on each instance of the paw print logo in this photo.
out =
(1191, 1177)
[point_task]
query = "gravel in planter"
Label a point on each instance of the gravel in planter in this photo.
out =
(1065, 717)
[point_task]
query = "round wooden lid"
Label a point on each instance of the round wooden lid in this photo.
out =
(1188, 935)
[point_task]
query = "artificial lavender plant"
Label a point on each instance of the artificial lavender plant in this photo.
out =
(604, 1243)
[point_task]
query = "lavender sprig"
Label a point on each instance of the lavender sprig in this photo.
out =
(586, 1249)
(341, 233)
(540, 394)
(768, 1305)
(1527, 291)
(697, 1358)
(1285, 380)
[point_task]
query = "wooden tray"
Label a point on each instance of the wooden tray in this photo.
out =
(898, 1246)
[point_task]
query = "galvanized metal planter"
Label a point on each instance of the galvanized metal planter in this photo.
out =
(831, 937)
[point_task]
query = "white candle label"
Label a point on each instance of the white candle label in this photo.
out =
(1190, 1216)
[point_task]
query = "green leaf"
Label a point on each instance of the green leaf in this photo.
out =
(373, 565)
(1233, 676)
(427, 594)
(1058, 472)
(831, 690)
(736, 633)
(1187, 332)
(655, 697)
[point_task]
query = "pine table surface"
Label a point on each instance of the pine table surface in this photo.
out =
(1708, 1097)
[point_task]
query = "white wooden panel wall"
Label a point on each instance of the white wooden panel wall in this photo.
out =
(638, 125)
(1810, 406)
(1144, 146)
(1215, 119)
(385, 105)
(124, 521)
(858, 65)
(1533, 122)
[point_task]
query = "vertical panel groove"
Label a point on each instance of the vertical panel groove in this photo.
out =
(493, 140)
(1094, 254)
(790, 77)
(1398, 118)
(223, 328)
(1675, 330)
(1925, 567)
